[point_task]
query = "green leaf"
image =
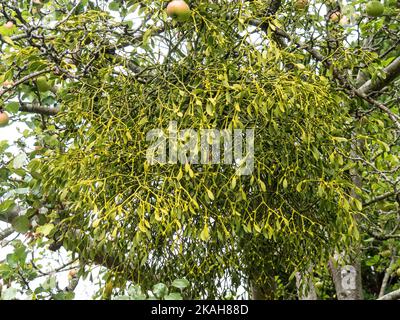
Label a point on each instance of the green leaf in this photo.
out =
(49, 283)
(339, 139)
(3, 145)
(64, 296)
(358, 204)
(173, 296)
(19, 161)
(21, 191)
(262, 186)
(205, 235)
(6, 205)
(20, 254)
(285, 183)
(114, 6)
(21, 224)
(45, 229)
(180, 283)
(12, 107)
(373, 260)
(233, 183)
(160, 290)
(299, 186)
(210, 194)
(209, 109)
(8, 40)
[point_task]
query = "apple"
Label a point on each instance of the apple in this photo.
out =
(301, 4)
(42, 84)
(9, 25)
(386, 253)
(335, 16)
(375, 9)
(72, 274)
(4, 119)
(179, 10)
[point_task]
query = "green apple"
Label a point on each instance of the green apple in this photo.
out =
(42, 84)
(385, 253)
(375, 9)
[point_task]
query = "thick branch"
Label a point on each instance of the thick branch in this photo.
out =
(387, 276)
(26, 107)
(5, 233)
(24, 79)
(392, 71)
(395, 295)
(381, 197)
(383, 237)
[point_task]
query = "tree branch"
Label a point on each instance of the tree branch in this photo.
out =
(392, 71)
(381, 197)
(23, 80)
(32, 108)
(395, 295)
(387, 276)
(5, 233)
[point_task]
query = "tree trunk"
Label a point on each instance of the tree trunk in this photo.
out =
(347, 279)
(305, 287)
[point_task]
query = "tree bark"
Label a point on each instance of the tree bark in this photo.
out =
(395, 295)
(392, 71)
(305, 287)
(386, 277)
(5, 233)
(347, 279)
